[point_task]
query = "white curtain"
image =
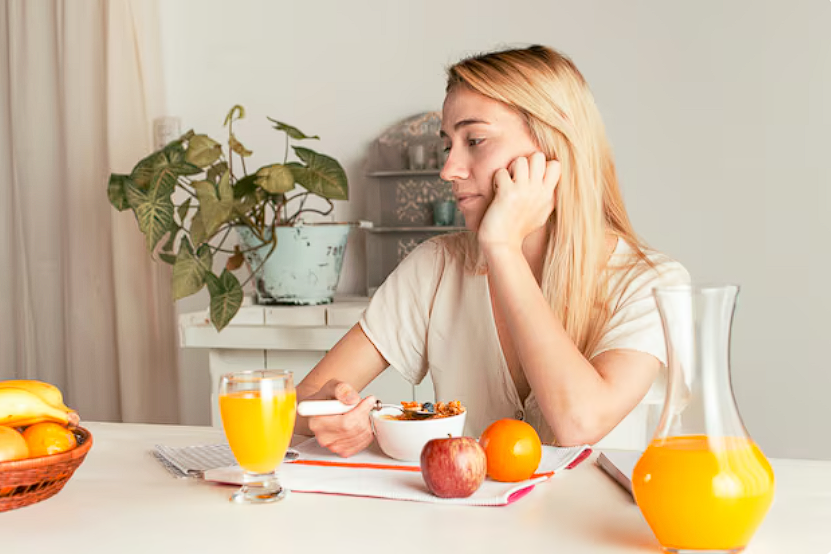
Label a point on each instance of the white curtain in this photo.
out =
(81, 303)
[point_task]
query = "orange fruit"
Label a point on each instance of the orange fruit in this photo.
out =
(48, 438)
(12, 445)
(513, 449)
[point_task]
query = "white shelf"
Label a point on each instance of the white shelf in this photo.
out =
(425, 229)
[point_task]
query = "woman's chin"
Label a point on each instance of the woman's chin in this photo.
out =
(472, 221)
(473, 210)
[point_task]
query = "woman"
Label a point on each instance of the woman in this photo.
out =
(543, 310)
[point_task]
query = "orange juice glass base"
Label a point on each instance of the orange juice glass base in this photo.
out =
(703, 494)
(259, 489)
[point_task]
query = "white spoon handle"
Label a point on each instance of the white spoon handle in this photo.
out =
(322, 407)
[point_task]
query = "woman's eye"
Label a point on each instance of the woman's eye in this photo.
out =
(470, 142)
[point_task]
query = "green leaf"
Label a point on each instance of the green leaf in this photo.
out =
(171, 238)
(215, 211)
(245, 197)
(291, 131)
(242, 207)
(245, 186)
(230, 117)
(146, 168)
(215, 172)
(322, 175)
(189, 271)
(176, 159)
(226, 297)
(276, 179)
(186, 168)
(237, 147)
(226, 193)
(203, 151)
(197, 229)
(167, 258)
(174, 151)
(157, 171)
(164, 181)
(154, 213)
(182, 210)
(116, 192)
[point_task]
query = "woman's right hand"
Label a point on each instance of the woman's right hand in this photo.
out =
(345, 434)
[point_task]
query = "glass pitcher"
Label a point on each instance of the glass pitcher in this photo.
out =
(702, 484)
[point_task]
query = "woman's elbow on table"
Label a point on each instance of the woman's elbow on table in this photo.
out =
(580, 431)
(586, 425)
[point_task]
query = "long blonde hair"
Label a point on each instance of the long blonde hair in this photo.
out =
(552, 96)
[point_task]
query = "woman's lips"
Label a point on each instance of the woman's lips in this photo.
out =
(464, 200)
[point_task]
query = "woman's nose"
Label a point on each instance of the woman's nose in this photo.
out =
(454, 168)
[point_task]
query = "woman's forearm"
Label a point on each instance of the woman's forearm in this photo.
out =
(353, 361)
(569, 390)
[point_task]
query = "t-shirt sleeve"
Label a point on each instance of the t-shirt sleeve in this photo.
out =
(398, 314)
(636, 323)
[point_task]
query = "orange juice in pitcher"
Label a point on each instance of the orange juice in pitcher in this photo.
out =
(702, 484)
(699, 494)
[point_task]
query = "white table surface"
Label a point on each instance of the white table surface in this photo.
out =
(122, 501)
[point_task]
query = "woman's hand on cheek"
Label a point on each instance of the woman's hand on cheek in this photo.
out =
(523, 200)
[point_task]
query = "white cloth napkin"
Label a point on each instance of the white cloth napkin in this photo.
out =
(192, 461)
(371, 473)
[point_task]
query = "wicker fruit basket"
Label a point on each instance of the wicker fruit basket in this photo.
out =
(24, 482)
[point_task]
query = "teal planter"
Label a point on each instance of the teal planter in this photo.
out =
(304, 268)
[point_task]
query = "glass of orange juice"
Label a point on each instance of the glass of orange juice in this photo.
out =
(258, 412)
(703, 485)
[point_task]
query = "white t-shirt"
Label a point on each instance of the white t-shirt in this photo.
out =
(433, 315)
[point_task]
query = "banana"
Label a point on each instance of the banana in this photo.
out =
(19, 407)
(47, 392)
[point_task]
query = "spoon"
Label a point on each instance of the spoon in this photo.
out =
(308, 408)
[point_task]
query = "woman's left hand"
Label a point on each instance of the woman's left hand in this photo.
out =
(523, 201)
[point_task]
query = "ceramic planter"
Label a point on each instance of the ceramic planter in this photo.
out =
(305, 267)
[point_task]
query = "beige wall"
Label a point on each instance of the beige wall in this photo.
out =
(718, 113)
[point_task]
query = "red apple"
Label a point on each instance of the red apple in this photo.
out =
(454, 467)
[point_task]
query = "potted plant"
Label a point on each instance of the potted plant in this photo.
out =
(188, 197)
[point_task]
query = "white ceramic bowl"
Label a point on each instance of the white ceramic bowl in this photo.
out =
(403, 440)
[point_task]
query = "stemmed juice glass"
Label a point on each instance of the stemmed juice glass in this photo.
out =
(258, 412)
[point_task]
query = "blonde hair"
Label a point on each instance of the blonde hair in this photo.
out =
(551, 95)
